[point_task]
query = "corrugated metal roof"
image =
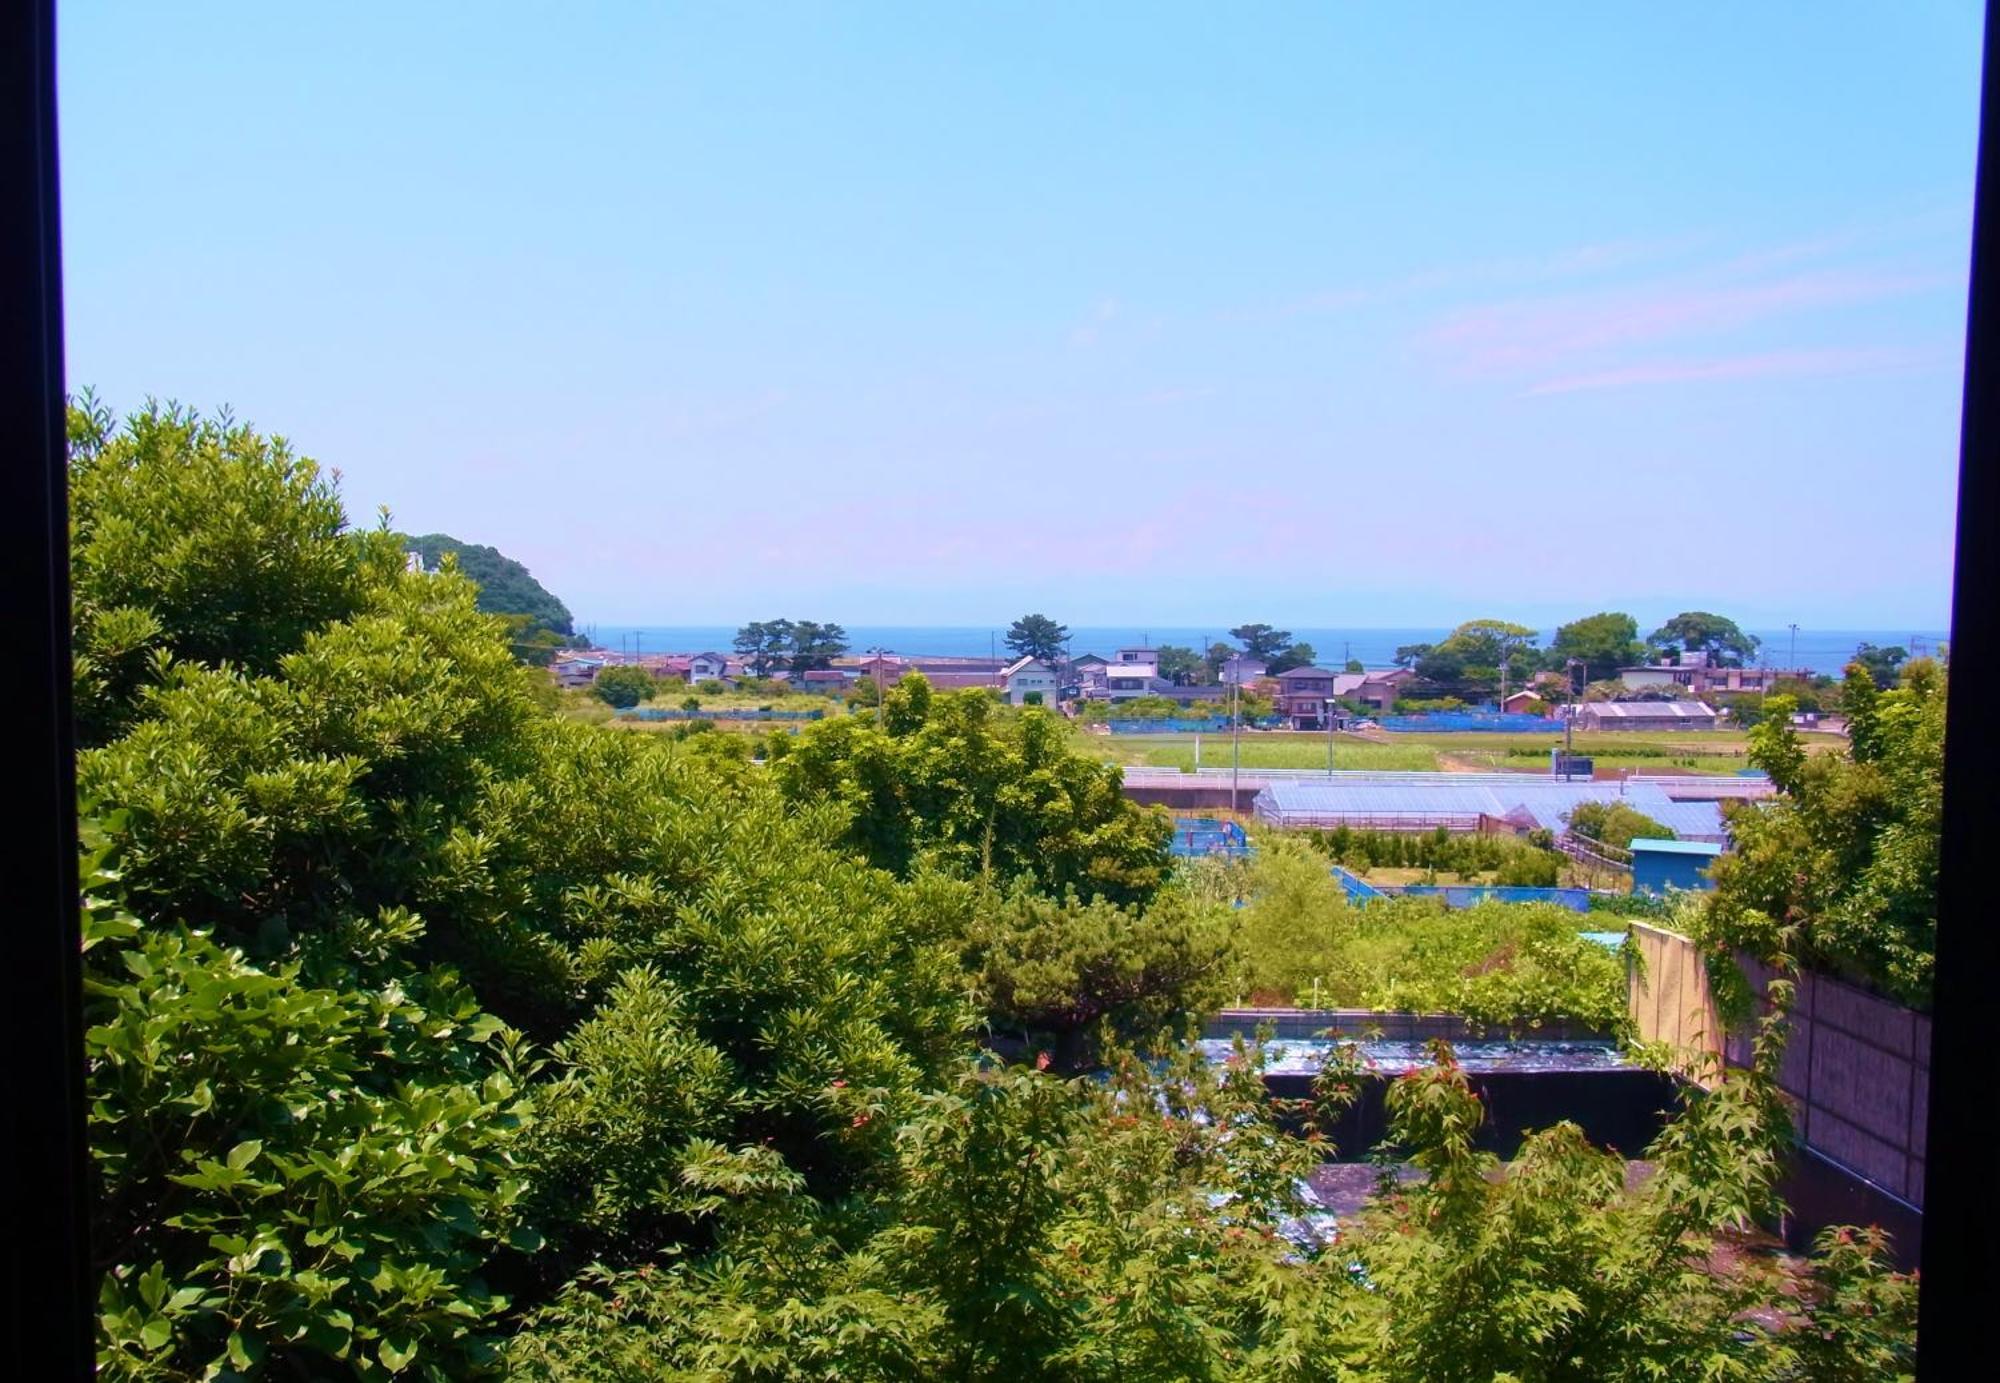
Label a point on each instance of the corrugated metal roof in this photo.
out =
(1641, 710)
(1547, 803)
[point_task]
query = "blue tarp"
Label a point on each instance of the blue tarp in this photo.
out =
(1179, 727)
(1197, 835)
(1508, 721)
(1465, 895)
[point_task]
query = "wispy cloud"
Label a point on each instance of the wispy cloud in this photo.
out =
(1758, 365)
(1546, 333)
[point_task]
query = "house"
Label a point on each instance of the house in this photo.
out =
(826, 681)
(1644, 715)
(1376, 690)
(1025, 676)
(1242, 670)
(1124, 681)
(575, 671)
(1303, 694)
(1659, 865)
(1522, 703)
(1086, 674)
(1141, 654)
(1696, 675)
(701, 667)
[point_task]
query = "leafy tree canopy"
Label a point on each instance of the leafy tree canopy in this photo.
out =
(1841, 870)
(1181, 666)
(1294, 656)
(1261, 641)
(1605, 642)
(1037, 636)
(1698, 630)
(505, 586)
(623, 686)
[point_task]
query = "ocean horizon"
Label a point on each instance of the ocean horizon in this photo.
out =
(1822, 650)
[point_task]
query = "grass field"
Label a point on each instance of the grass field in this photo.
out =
(1701, 751)
(1264, 749)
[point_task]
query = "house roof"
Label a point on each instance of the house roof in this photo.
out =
(1026, 661)
(1644, 710)
(1305, 672)
(1345, 682)
(820, 674)
(1653, 845)
(1089, 658)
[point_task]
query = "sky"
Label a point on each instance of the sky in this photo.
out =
(1320, 314)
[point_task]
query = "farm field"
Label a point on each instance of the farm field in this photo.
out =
(1715, 751)
(1261, 749)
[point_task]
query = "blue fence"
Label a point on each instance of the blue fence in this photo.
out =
(1181, 727)
(1465, 895)
(676, 713)
(1510, 722)
(1199, 835)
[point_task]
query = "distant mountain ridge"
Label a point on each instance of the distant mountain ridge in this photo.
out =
(505, 586)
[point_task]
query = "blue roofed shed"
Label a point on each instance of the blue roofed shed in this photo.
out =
(1658, 865)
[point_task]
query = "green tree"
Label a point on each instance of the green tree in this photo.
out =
(1605, 642)
(1216, 658)
(1615, 824)
(1261, 641)
(1354, 665)
(1410, 654)
(1181, 666)
(765, 645)
(1295, 656)
(1841, 870)
(951, 782)
(506, 587)
(815, 646)
(1699, 631)
(1881, 663)
(1065, 971)
(1037, 636)
(197, 540)
(623, 686)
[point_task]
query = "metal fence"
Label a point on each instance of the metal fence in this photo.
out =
(1511, 722)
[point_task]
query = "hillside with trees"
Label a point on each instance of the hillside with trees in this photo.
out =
(540, 622)
(432, 1034)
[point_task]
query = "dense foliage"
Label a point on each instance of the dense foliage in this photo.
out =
(1445, 854)
(958, 783)
(623, 686)
(1615, 824)
(1508, 965)
(540, 622)
(1842, 869)
(434, 1034)
(1037, 636)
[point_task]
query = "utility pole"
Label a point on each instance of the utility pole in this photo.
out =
(1794, 655)
(1235, 746)
(1329, 736)
(1569, 713)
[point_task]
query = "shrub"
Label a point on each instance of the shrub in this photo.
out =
(623, 687)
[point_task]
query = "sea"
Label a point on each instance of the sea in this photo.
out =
(1823, 650)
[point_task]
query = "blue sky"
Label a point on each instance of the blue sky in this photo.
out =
(1317, 313)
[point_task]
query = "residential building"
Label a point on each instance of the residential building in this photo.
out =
(1242, 670)
(1124, 681)
(1696, 675)
(703, 666)
(1026, 675)
(1303, 694)
(827, 681)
